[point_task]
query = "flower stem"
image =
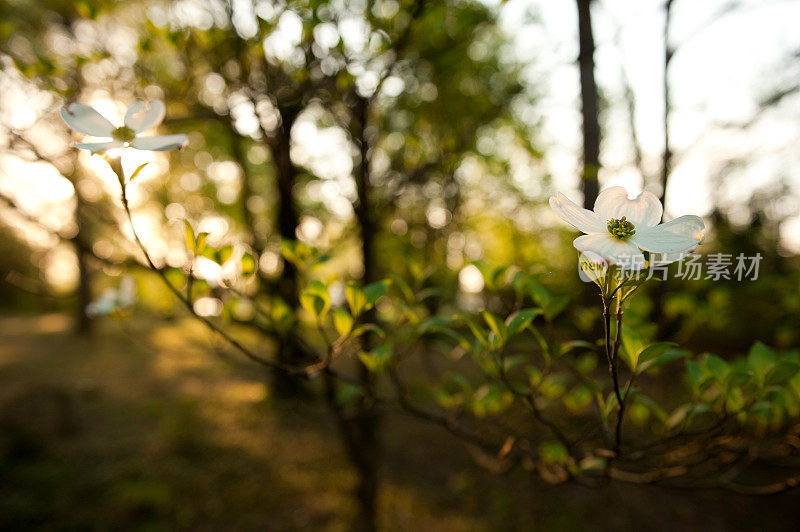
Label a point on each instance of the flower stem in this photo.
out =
(615, 378)
(612, 349)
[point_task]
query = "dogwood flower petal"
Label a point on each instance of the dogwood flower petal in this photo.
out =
(99, 147)
(160, 142)
(582, 219)
(676, 236)
(668, 258)
(615, 251)
(689, 225)
(144, 115)
(86, 120)
(644, 211)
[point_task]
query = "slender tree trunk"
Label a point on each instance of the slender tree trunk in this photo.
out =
(363, 209)
(363, 450)
(363, 426)
(82, 244)
(666, 162)
(658, 292)
(589, 105)
(83, 323)
(288, 351)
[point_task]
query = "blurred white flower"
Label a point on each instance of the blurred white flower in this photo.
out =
(619, 229)
(141, 116)
(112, 300)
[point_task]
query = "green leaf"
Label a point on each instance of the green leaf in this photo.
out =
(314, 304)
(518, 321)
(301, 255)
(633, 344)
(553, 452)
(480, 335)
(662, 360)
(281, 314)
(586, 363)
(200, 243)
(694, 375)
(718, 367)
(364, 329)
(223, 254)
(534, 376)
(554, 306)
(491, 399)
(440, 324)
(573, 345)
(377, 359)
(316, 299)
(248, 264)
(781, 373)
(189, 236)
(346, 392)
(652, 406)
(610, 404)
(320, 260)
(356, 299)
(536, 291)
(652, 351)
(760, 359)
(577, 398)
(638, 413)
(434, 324)
(289, 252)
(497, 278)
(449, 400)
(509, 363)
(342, 321)
(374, 291)
(738, 378)
(553, 386)
(496, 325)
(209, 252)
(405, 290)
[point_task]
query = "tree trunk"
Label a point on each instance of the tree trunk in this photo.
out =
(287, 385)
(83, 322)
(82, 244)
(359, 435)
(363, 208)
(589, 106)
(363, 426)
(666, 162)
(658, 294)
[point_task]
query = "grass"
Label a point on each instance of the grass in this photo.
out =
(149, 429)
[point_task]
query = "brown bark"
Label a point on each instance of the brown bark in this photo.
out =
(658, 294)
(363, 425)
(589, 105)
(363, 209)
(289, 352)
(666, 162)
(83, 322)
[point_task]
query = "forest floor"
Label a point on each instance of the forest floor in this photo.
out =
(150, 429)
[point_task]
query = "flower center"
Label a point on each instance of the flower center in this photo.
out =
(621, 228)
(123, 134)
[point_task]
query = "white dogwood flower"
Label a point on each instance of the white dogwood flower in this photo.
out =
(140, 116)
(619, 229)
